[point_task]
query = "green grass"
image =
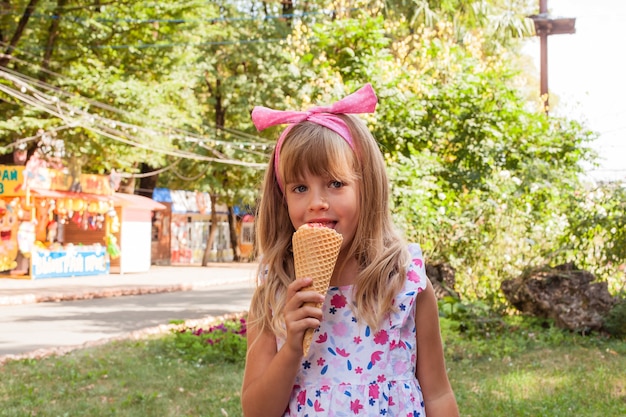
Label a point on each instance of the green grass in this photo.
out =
(120, 379)
(523, 371)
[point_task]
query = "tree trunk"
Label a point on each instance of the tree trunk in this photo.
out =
(234, 237)
(288, 11)
(53, 32)
(19, 31)
(147, 184)
(212, 232)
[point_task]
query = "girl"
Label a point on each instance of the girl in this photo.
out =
(378, 330)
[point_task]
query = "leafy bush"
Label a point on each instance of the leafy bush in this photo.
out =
(615, 322)
(472, 330)
(225, 341)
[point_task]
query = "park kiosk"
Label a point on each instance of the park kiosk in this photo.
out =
(56, 225)
(186, 235)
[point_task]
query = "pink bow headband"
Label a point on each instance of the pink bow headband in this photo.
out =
(361, 101)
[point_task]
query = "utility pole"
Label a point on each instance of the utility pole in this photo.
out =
(546, 25)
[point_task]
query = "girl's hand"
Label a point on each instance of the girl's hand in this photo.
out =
(298, 316)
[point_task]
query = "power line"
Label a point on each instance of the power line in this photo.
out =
(211, 20)
(102, 126)
(257, 142)
(163, 45)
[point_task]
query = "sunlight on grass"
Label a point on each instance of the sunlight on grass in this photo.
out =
(553, 375)
(562, 381)
(525, 385)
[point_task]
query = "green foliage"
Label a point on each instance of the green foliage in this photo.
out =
(615, 321)
(477, 178)
(472, 330)
(225, 341)
(595, 236)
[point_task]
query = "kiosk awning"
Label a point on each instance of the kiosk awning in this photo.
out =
(118, 199)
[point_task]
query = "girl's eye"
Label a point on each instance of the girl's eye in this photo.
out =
(336, 184)
(299, 189)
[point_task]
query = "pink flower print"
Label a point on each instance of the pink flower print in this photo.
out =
(356, 406)
(342, 353)
(321, 362)
(357, 339)
(340, 329)
(400, 367)
(381, 378)
(317, 406)
(381, 337)
(301, 397)
(358, 370)
(338, 301)
(374, 391)
(391, 401)
(322, 338)
(395, 345)
(418, 262)
(374, 358)
(413, 276)
(325, 388)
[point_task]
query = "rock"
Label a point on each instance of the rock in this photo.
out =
(442, 277)
(565, 294)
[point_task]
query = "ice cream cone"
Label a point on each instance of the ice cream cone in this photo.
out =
(315, 251)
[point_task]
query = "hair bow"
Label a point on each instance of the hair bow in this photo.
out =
(361, 101)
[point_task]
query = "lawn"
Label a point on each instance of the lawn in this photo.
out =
(527, 370)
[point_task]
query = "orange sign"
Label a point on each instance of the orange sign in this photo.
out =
(95, 184)
(12, 180)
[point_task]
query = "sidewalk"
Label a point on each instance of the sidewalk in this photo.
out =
(158, 279)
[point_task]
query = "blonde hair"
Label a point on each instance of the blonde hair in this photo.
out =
(381, 253)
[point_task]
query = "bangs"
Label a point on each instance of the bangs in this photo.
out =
(312, 149)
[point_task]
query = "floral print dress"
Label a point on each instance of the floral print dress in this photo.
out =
(351, 370)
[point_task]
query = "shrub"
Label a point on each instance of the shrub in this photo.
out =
(225, 341)
(615, 321)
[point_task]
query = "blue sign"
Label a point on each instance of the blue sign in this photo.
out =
(71, 263)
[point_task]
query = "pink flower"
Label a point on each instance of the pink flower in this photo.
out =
(342, 353)
(357, 339)
(317, 406)
(375, 357)
(321, 362)
(356, 406)
(340, 329)
(358, 370)
(374, 391)
(301, 397)
(381, 337)
(381, 378)
(413, 277)
(338, 301)
(418, 262)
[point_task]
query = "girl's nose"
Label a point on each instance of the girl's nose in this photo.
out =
(318, 202)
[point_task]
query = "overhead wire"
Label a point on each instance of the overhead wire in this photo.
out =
(53, 107)
(257, 143)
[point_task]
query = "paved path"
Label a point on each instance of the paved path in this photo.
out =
(158, 279)
(53, 316)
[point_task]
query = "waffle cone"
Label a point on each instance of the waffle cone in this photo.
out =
(315, 251)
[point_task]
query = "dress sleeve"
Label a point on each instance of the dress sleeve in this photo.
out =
(414, 284)
(416, 272)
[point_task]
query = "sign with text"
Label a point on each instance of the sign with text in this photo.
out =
(68, 264)
(12, 180)
(95, 184)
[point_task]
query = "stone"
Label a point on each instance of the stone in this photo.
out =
(566, 294)
(442, 276)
